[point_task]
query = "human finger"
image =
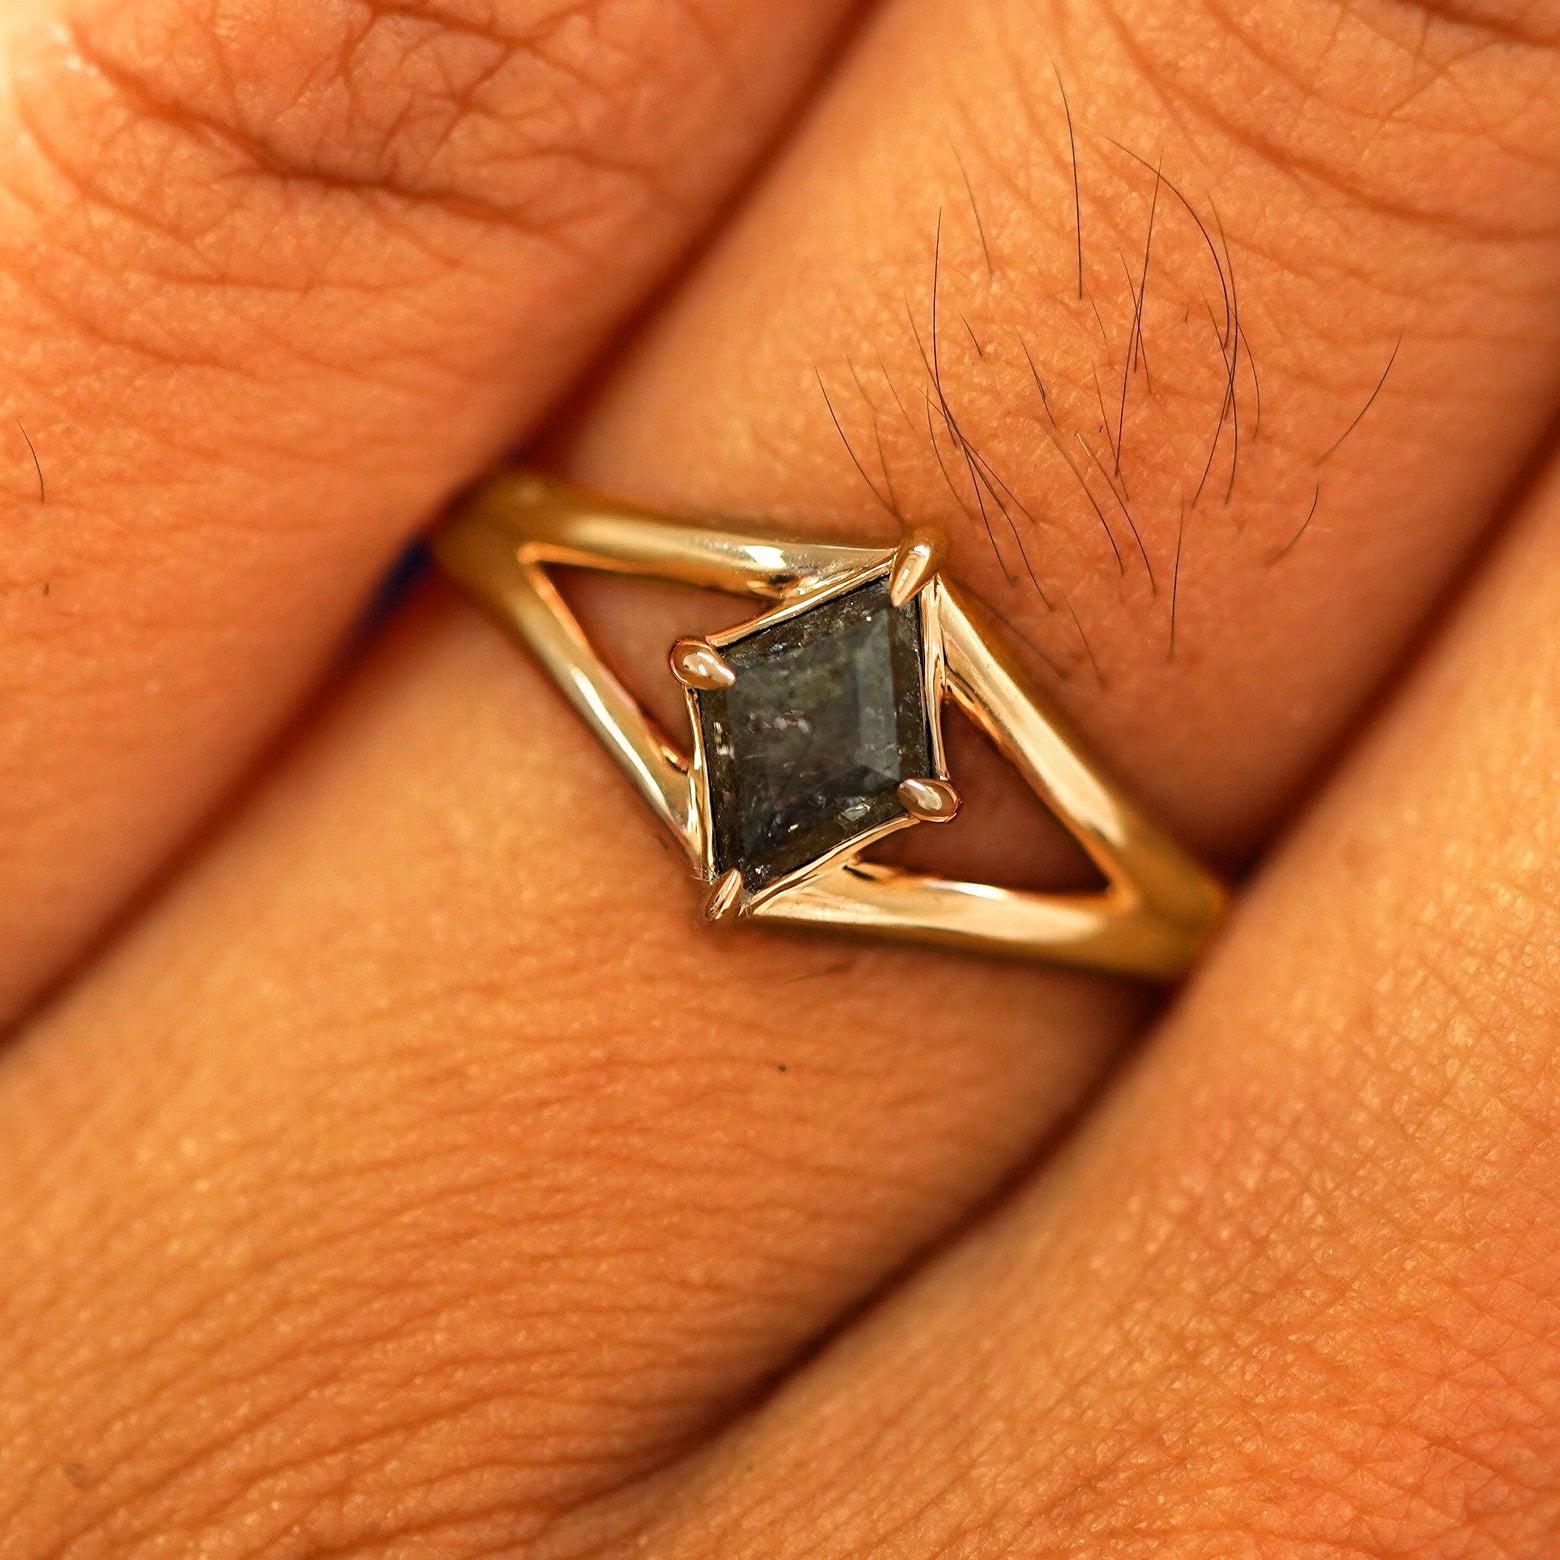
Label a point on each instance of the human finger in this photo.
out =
(1244, 325)
(277, 277)
(578, 1089)
(1292, 1293)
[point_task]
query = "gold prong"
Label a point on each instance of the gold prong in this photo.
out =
(920, 556)
(725, 898)
(698, 664)
(932, 801)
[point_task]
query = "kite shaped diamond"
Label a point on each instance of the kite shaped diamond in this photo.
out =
(806, 749)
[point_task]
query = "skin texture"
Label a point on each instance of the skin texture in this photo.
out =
(413, 1176)
(248, 250)
(1316, 1313)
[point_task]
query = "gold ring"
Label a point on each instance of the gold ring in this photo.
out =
(816, 731)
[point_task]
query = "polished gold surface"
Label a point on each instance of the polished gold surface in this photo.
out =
(920, 556)
(724, 901)
(932, 801)
(1159, 905)
(698, 664)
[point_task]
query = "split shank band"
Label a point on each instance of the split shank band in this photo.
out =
(816, 731)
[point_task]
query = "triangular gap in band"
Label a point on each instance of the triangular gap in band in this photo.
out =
(632, 622)
(1153, 909)
(1004, 834)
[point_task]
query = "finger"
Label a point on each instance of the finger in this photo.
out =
(1217, 512)
(550, 1138)
(1293, 1293)
(276, 277)
(544, 1182)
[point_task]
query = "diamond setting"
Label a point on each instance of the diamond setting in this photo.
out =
(805, 751)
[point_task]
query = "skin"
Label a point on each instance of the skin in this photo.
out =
(248, 246)
(406, 1172)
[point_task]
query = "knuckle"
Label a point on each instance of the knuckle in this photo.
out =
(1535, 22)
(259, 160)
(1402, 107)
(529, 111)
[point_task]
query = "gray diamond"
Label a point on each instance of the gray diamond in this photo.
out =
(806, 750)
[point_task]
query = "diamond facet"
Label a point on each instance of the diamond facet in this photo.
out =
(806, 750)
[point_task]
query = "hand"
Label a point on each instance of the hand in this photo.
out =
(393, 1166)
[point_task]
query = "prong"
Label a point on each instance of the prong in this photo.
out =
(725, 898)
(932, 801)
(920, 556)
(698, 664)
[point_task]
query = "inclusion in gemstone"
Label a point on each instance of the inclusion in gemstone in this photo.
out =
(806, 750)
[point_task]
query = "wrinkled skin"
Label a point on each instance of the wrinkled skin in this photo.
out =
(392, 1164)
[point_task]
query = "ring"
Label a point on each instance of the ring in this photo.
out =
(816, 731)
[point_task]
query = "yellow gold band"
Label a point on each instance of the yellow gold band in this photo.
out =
(821, 602)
